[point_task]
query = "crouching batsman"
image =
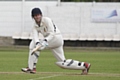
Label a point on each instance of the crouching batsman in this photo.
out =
(54, 41)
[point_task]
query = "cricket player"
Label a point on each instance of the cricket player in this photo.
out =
(52, 40)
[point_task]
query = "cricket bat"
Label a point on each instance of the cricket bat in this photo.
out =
(35, 49)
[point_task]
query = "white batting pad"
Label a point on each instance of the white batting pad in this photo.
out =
(71, 64)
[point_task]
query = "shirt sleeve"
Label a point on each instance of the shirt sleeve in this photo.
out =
(35, 35)
(51, 29)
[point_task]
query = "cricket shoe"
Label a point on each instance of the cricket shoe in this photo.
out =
(86, 70)
(33, 71)
(27, 70)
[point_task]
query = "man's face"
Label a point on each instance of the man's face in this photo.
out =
(37, 18)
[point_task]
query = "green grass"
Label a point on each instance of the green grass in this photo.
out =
(105, 64)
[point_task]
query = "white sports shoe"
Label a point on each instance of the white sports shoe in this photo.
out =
(86, 70)
(27, 70)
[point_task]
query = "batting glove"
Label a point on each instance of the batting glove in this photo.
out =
(40, 46)
(43, 44)
(37, 44)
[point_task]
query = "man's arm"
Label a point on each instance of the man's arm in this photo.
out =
(51, 29)
(35, 35)
(39, 45)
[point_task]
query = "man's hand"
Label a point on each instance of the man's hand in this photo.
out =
(40, 46)
(43, 45)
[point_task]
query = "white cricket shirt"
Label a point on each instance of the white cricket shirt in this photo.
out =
(46, 28)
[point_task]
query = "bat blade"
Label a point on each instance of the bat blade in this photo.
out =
(35, 49)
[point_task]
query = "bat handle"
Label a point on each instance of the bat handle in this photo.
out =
(32, 53)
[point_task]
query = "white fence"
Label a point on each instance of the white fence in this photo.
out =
(73, 19)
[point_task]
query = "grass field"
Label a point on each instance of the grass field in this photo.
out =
(105, 64)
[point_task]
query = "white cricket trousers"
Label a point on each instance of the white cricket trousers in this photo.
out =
(56, 46)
